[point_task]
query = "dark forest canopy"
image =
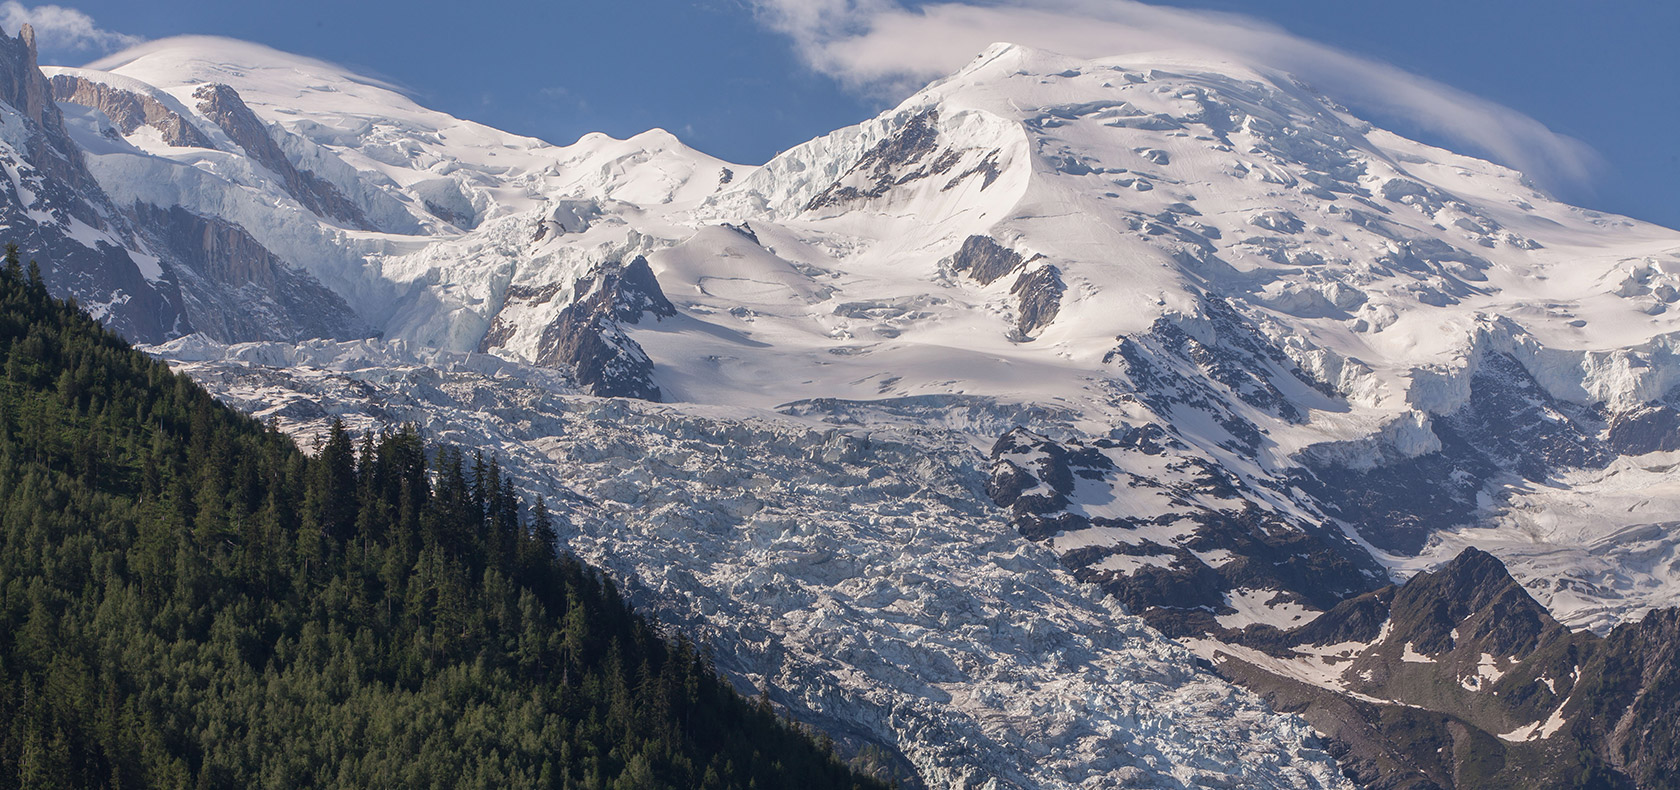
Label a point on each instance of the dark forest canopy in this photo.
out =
(187, 600)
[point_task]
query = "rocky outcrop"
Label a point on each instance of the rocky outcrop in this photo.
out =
(588, 336)
(911, 154)
(1218, 365)
(129, 110)
(235, 290)
(222, 105)
(985, 261)
(1647, 429)
(878, 170)
(1039, 298)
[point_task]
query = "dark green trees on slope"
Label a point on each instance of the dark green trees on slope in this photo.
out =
(186, 600)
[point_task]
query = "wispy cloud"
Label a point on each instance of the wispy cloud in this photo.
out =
(887, 48)
(62, 30)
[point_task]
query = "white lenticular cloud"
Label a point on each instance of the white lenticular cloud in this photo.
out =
(60, 29)
(884, 48)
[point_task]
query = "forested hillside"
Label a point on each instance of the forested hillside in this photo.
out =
(187, 600)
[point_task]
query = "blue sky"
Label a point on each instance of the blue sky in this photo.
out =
(743, 79)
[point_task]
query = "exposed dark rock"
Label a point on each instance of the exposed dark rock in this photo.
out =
(910, 145)
(745, 229)
(985, 260)
(1630, 700)
(910, 154)
(1471, 601)
(1175, 370)
(1648, 429)
(1459, 679)
(129, 110)
(1038, 479)
(588, 336)
(1039, 293)
(235, 290)
(222, 104)
(988, 169)
(1398, 506)
(1007, 482)
(638, 293)
(1510, 425)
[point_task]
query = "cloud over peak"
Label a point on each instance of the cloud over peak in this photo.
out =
(60, 30)
(888, 49)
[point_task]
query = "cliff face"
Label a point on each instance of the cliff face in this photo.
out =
(129, 110)
(236, 290)
(23, 86)
(49, 147)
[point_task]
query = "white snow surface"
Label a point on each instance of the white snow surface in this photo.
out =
(1260, 607)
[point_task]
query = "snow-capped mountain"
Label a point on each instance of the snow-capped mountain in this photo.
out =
(1192, 332)
(151, 271)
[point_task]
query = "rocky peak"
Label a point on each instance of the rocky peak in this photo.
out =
(21, 83)
(25, 88)
(1458, 679)
(635, 291)
(1473, 601)
(56, 212)
(588, 338)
